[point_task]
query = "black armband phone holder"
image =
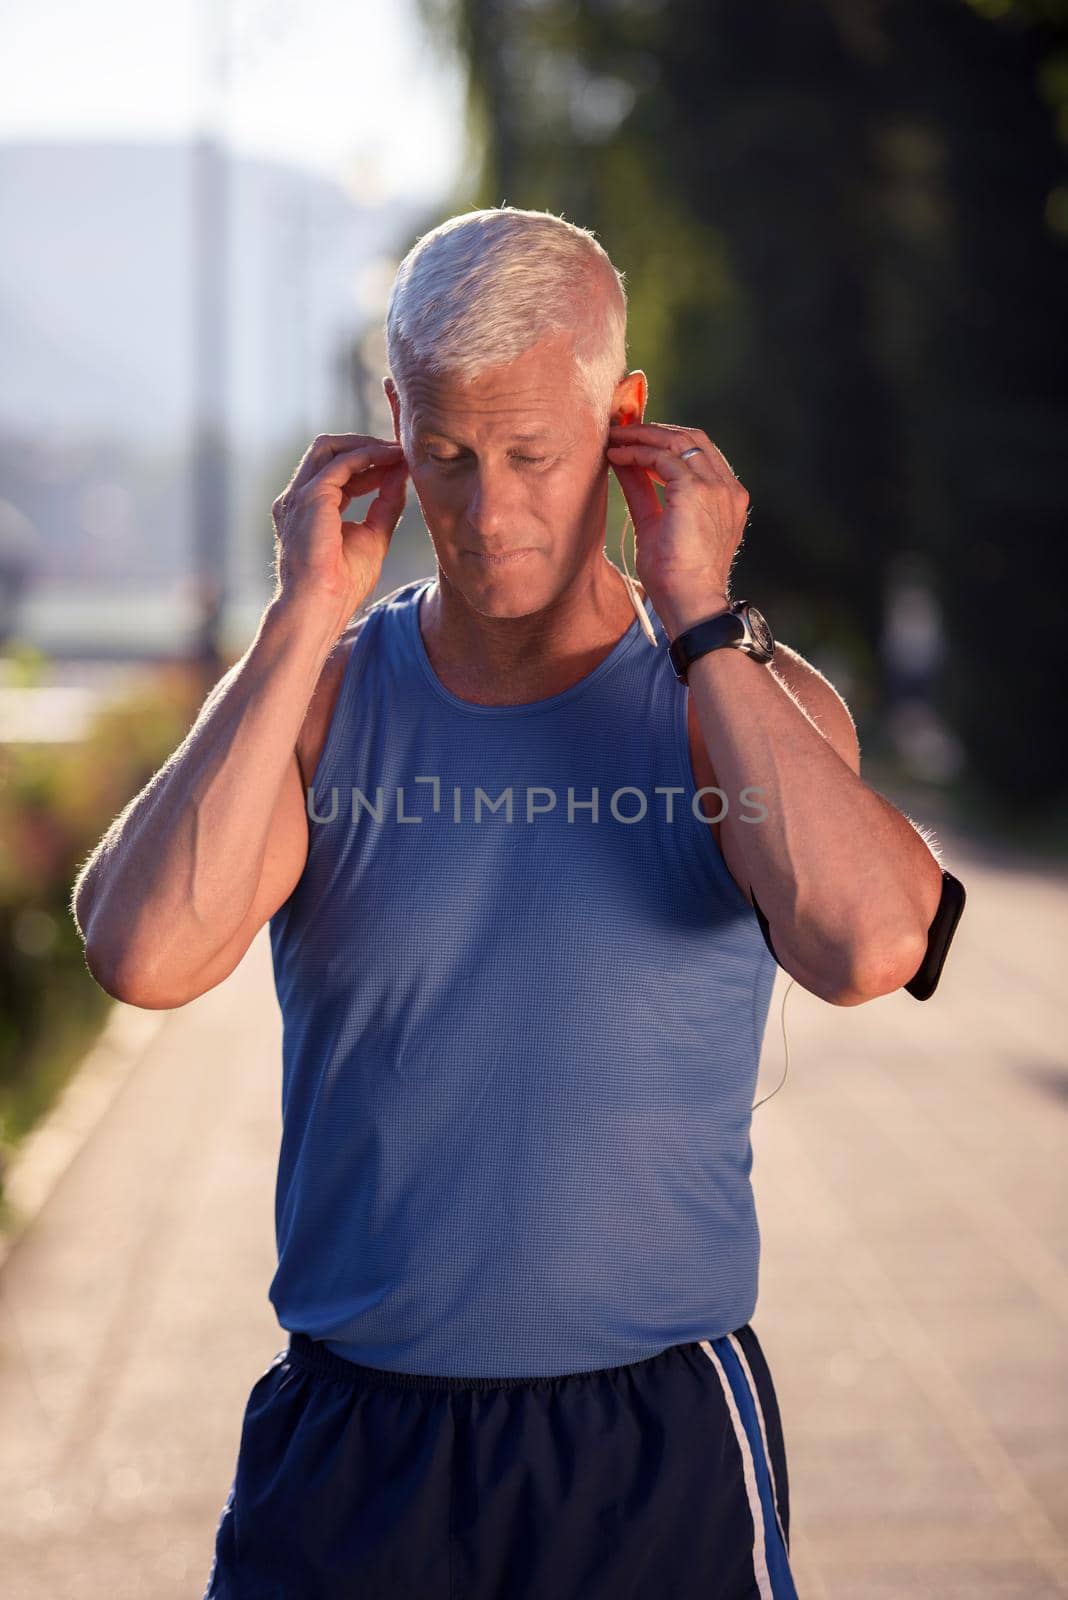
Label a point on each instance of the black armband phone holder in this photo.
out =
(924, 981)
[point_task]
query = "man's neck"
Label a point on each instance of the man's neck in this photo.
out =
(513, 660)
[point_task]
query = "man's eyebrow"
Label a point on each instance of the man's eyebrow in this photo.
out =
(437, 433)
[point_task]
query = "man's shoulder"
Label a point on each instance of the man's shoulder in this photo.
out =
(321, 707)
(821, 702)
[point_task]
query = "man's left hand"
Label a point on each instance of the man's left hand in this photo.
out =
(683, 550)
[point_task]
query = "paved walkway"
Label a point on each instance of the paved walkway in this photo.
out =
(910, 1180)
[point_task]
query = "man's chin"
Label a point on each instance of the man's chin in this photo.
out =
(507, 587)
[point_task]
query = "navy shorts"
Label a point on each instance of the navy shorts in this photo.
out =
(663, 1478)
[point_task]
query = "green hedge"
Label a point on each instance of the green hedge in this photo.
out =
(56, 801)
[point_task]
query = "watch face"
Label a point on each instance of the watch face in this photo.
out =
(761, 632)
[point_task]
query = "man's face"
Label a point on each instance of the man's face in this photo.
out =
(509, 465)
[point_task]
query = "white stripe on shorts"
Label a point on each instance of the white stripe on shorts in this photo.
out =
(752, 1489)
(740, 1353)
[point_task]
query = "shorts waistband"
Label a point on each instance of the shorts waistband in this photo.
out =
(313, 1355)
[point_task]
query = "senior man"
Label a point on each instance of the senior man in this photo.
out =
(530, 838)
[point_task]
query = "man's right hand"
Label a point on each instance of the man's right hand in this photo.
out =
(321, 561)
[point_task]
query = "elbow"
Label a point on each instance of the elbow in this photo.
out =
(127, 967)
(877, 966)
(103, 973)
(121, 982)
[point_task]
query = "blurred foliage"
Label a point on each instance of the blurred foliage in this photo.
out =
(843, 228)
(56, 802)
(25, 664)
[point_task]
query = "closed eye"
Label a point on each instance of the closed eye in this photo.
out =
(448, 461)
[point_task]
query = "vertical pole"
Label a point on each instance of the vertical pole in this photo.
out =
(211, 452)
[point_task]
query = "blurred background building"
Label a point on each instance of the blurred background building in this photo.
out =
(98, 421)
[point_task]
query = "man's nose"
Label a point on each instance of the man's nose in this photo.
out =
(490, 509)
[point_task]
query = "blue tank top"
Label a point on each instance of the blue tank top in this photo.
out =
(523, 1002)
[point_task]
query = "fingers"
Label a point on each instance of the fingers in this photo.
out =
(327, 447)
(711, 465)
(662, 463)
(365, 479)
(387, 508)
(350, 472)
(348, 464)
(717, 456)
(638, 491)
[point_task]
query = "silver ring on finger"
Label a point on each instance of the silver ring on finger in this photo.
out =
(694, 450)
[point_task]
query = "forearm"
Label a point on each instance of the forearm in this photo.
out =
(175, 874)
(849, 887)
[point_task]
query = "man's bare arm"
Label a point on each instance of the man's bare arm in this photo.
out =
(174, 891)
(177, 874)
(848, 884)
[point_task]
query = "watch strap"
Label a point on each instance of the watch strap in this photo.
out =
(726, 628)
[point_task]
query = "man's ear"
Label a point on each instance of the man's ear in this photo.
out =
(394, 405)
(628, 402)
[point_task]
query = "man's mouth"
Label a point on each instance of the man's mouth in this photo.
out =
(505, 559)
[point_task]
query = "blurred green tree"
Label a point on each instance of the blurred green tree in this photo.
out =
(843, 227)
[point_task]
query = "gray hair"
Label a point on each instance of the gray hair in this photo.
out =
(484, 286)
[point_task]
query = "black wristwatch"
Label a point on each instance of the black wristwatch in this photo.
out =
(742, 627)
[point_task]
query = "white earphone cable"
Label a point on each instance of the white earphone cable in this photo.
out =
(786, 1043)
